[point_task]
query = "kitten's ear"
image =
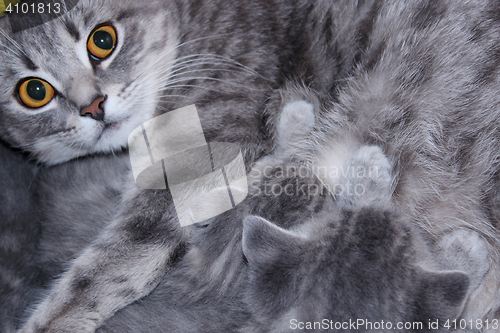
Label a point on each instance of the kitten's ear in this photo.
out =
(273, 256)
(264, 242)
(441, 295)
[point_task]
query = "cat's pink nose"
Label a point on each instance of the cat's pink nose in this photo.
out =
(95, 110)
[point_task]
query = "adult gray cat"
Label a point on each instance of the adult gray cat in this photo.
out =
(182, 52)
(418, 74)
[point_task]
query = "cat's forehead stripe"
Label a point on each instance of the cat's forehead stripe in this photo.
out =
(28, 62)
(88, 18)
(124, 15)
(72, 29)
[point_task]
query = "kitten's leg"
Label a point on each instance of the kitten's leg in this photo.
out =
(295, 122)
(124, 264)
(366, 178)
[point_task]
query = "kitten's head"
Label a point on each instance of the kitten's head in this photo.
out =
(361, 265)
(104, 61)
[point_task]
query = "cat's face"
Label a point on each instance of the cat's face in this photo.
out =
(116, 51)
(360, 266)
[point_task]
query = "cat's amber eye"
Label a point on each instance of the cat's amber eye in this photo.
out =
(102, 42)
(35, 93)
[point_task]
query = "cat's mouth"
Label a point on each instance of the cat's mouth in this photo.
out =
(112, 126)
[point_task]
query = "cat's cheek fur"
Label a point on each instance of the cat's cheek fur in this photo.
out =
(81, 135)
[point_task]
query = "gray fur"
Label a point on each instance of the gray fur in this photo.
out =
(341, 258)
(427, 101)
(19, 233)
(415, 78)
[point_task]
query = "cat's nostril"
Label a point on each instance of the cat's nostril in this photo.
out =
(95, 110)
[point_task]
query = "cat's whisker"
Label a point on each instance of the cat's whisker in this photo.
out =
(191, 65)
(180, 75)
(168, 83)
(175, 60)
(195, 60)
(178, 86)
(13, 42)
(236, 63)
(167, 67)
(233, 62)
(8, 52)
(183, 96)
(178, 71)
(211, 79)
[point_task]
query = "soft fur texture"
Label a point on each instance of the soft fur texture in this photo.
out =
(19, 232)
(348, 257)
(417, 79)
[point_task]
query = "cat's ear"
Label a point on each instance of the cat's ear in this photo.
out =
(265, 243)
(441, 295)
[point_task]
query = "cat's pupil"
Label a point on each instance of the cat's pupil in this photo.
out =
(36, 90)
(103, 40)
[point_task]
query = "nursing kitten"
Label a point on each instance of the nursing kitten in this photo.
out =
(408, 76)
(343, 257)
(359, 267)
(356, 259)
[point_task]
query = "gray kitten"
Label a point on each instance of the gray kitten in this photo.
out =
(408, 76)
(356, 259)
(340, 257)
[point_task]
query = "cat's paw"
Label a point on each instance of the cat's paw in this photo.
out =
(368, 176)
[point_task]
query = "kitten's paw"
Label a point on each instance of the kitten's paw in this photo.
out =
(466, 251)
(298, 115)
(296, 120)
(369, 175)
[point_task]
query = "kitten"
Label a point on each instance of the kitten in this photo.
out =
(407, 76)
(360, 268)
(340, 257)
(357, 261)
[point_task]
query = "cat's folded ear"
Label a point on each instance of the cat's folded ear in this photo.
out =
(441, 295)
(265, 243)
